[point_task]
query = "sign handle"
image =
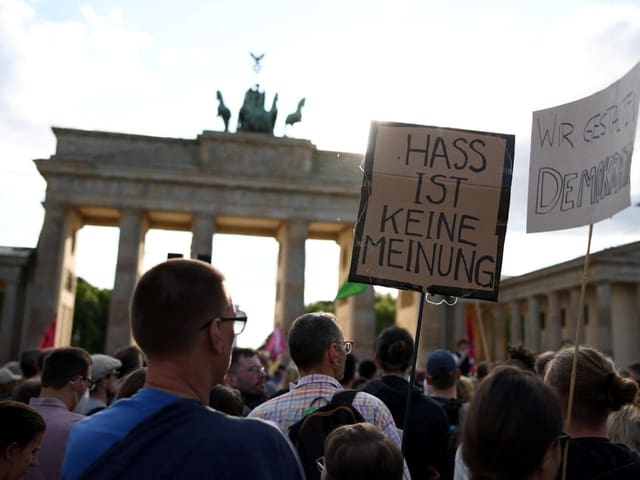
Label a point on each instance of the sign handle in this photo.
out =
(574, 366)
(412, 376)
(483, 337)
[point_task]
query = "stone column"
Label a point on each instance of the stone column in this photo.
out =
(133, 227)
(572, 316)
(202, 228)
(292, 236)
(533, 340)
(499, 347)
(624, 312)
(356, 315)
(8, 319)
(515, 337)
(52, 291)
(604, 333)
(553, 327)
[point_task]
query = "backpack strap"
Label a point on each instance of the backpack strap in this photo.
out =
(344, 397)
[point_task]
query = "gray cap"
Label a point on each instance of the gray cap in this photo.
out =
(102, 365)
(7, 376)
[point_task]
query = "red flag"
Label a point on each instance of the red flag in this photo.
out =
(276, 343)
(49, 338)
(468, 323)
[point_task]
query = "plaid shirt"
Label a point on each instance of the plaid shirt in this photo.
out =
(316, 391)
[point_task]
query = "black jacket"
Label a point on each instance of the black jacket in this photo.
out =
(428, 429)
(596, 458)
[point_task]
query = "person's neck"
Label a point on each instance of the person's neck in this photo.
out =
(64, 395)
(99, 394)
(179, 378)
(319, 370)
(577, 430)
(443, 393)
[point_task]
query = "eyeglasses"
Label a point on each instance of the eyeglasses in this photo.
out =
(320, 464)
(239, 320)
(348, 346)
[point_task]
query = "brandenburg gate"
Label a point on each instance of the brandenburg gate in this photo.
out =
(240, 183)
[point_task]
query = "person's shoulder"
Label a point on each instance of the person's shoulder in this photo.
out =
(369, 400)
(270, 405)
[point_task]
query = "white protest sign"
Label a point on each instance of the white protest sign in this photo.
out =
(580, 166)
(433, 210)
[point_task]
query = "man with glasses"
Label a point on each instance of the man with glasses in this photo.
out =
(247, 375)
(65, 379)
(185, 323)
(104, 376)
(319, 350)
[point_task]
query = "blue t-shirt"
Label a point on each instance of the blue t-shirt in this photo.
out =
(93, 436)
(157, 435)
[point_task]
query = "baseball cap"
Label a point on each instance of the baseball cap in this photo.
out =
(7, 376)
(103, 364)
(440, 362)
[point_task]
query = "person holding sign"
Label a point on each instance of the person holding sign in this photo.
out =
(599, 390)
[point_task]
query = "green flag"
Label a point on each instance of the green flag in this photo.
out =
(348, 289)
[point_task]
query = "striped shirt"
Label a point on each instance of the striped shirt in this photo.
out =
(315, 391)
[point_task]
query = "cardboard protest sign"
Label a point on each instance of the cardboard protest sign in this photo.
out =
(580, 165)
(433, 210)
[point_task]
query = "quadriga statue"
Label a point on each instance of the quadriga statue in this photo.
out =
(253, 117)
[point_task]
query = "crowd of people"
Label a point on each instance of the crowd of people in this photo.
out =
(186, 403)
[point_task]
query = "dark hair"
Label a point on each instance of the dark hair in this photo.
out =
(310, 335)
(349, 369)
(462, 341)
(42, 356)
(20, 424)
(62, 365)
(132, 383)
(29, 363)
(482, 370)
(395, 349)
(444, 379)
(27, 390)
(131, 359)
(361, 452)
(226, 399)
(513, 420)
(542, 360)
(172, 301)
(521, 357)
(238, 353)
(599, 389)
(367, 369)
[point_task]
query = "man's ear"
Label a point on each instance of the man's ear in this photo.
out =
(458, 373)
(10, 451)
(332, 353)
(428, 379)
(215, 336)
(230, 380)
(378, 361)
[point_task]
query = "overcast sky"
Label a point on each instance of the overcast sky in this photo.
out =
(153, 68)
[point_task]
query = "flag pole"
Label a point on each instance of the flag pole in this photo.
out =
(574, 366)
(412, 376)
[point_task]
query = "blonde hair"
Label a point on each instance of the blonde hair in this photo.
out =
(623, 426)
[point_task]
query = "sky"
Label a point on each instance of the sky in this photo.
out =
(153, 68)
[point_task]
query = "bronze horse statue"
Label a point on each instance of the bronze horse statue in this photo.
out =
(296, 116)
(253, 117)
(223, 111)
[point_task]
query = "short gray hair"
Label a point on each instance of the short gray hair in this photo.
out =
(309, 337)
